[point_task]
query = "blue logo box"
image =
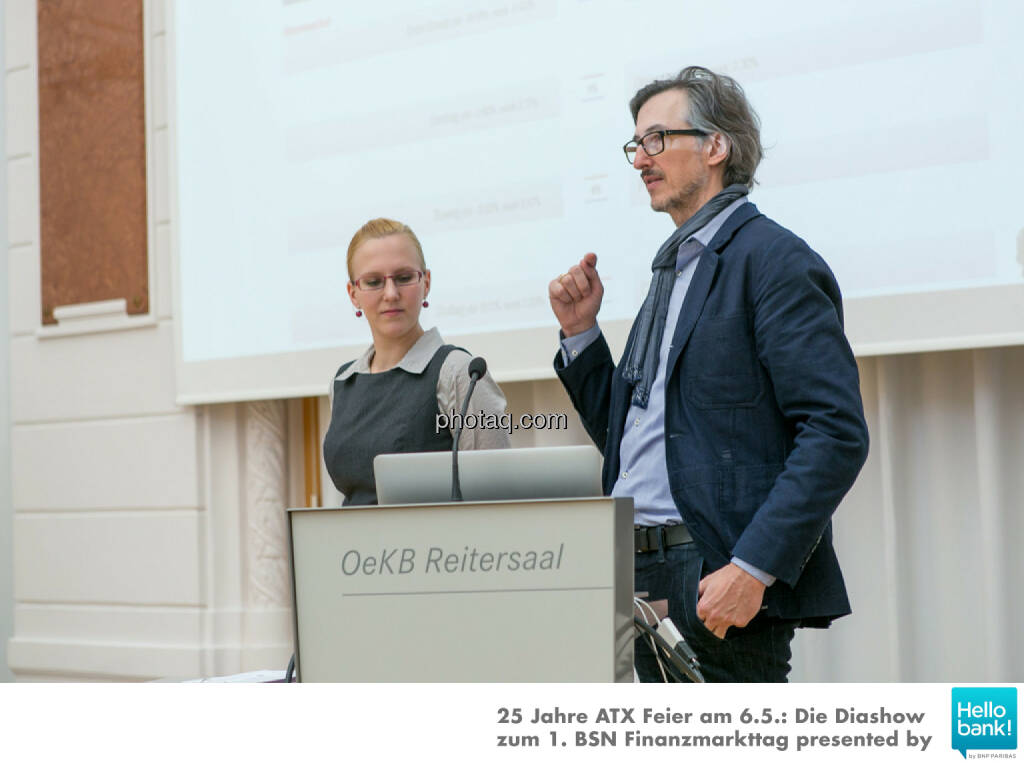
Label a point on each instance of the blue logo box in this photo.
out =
(984, 719)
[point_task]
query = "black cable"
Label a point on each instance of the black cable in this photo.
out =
(289, 673)
(456, 485)
(681, 669)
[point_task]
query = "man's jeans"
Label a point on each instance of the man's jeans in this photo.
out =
(758, 653)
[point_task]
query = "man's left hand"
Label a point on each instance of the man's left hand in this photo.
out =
(728, 596)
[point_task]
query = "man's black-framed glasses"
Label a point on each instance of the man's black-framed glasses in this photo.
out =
(375, 282)
(654, 142)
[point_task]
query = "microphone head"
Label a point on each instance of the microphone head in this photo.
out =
(477, 367)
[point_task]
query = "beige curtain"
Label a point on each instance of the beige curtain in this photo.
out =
(930, 537)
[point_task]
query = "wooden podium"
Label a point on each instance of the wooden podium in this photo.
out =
(538, 590)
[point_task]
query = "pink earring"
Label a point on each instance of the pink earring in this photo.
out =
(426, 304)
(359, 313)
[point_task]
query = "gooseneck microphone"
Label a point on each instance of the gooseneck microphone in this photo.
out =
(477, 368)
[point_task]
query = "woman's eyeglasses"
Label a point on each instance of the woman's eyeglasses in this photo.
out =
(374, 282)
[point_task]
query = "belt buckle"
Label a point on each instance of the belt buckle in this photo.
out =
(647, 543)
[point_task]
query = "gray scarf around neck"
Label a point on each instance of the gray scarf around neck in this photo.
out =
(642, 364)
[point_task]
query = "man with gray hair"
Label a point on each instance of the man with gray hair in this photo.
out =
(734, 418)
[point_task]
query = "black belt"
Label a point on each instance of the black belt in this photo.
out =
(660, 536)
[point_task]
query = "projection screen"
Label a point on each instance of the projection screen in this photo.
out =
(493, 128)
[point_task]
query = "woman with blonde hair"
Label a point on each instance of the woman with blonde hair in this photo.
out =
(387, 400)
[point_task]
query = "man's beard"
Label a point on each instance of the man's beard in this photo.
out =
(686, 200)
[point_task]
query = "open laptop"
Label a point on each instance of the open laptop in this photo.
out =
(489, 475)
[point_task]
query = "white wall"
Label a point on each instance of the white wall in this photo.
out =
(107, 516)
(6, 511)
(121, 569)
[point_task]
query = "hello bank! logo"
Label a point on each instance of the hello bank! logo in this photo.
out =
(985, 719)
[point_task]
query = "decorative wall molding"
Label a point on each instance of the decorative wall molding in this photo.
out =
(93, 318)
(267, 580)
(92, 154)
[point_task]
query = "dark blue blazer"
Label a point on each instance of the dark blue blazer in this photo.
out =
(764, 426)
